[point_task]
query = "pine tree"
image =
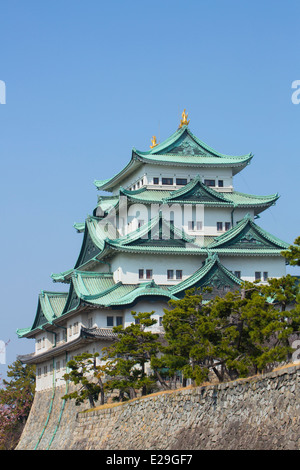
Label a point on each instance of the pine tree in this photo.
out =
(243, 332)
(16, 399)
(127, 357)
(87, 375)
(293, 253)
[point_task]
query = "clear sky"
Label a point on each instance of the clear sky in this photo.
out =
(88, 80)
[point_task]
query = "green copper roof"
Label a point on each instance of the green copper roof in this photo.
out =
(196, 192)
(90, 283)
(100, 290)
(158, 228)
(181, 149)
(125, 295)
(211, 274)
(184, 143)
(247, 238)
(160, 236)
(79, 227)
(50, 306)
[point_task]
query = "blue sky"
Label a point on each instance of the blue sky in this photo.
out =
(88, 80)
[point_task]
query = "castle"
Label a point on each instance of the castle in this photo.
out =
(171, 221)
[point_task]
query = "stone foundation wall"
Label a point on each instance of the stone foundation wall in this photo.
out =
(262, 412)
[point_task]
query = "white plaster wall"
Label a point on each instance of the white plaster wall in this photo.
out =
(165, 171)
(274, 265)
(147, 306)
(212, 215)
(99, 316)
(209, 216)
(239, 214)
(55, 372)
(149, 171)
(46, 341)
(54, 375)
(126, 267)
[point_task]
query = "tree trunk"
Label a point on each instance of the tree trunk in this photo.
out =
(161, 380)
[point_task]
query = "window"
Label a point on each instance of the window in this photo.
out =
(191, 225)
(119, 321)
(39, 372)
(237, 274)
(110, 321)
(199, 225)
(219, 226)
(227, 226)
(265, 276)
(142, 182)
(75, 328)
(181, 181)
(210, 182)
(257, 275)
(160, 321)
(178, 274)
(168, 181)
(57, 365)
(148, 273)
(45, 370)
(155, 180)
(141, 274)
(220, 183)
(90, 323)
(140, 223)
(170, 274)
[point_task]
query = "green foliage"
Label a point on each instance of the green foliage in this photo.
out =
(293, 253)
(85, 372)
(242, 332)
(16, 399)
(136, 345)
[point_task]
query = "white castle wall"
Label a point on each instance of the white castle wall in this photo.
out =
(126, 266)
(275, 266)
(148, 172)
